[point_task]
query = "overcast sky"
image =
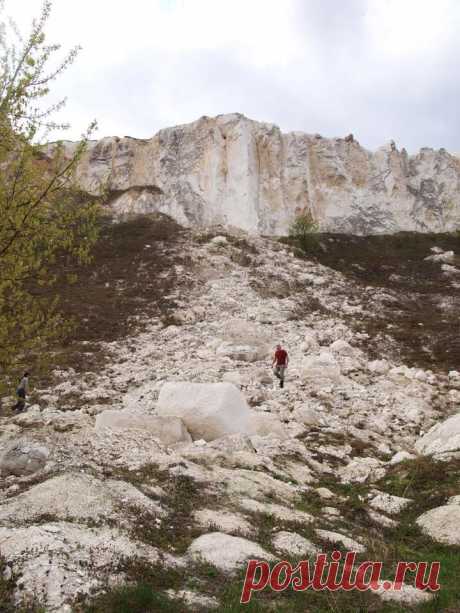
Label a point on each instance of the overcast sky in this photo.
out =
(381, 69)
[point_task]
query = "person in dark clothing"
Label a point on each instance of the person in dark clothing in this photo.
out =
(280, 363)
(21, 392)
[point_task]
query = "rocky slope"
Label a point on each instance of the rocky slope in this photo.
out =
(237, 172)
(126, 473)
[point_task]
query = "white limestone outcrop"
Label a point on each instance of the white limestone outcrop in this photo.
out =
(238, 172)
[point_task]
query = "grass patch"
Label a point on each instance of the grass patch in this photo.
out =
(138, 598)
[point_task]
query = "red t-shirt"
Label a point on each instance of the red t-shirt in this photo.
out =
(280, 357)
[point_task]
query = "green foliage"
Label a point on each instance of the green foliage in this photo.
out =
(42, 214)
(140, 598)
(304, 230)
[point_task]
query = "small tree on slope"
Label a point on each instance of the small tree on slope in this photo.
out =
(304, 230)
(41, 214)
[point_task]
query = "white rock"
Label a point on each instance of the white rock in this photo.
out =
(321, 370)
(401, 456)
(325, 493)
(346, 541)
(341, 347)
(223, 521)
(227, 553)
(257, 484)
(294, 544)
(194, 600)
(388, 503)
(264, 424)
(446, 256)
(168, 430)
(76, 496)
(23, 458)
(381, 520)
(450, 271)
(230, 443)
(307, 416)
(241, 353)
(233, 377)
(360, 470)
(278, 511)
(442, 524)
(310, 342)
(380, 367)
(59, 560)
(442, 438)
(406, 594)
(209, 410)
(219, 240)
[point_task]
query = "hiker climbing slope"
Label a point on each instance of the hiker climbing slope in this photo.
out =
(21, 392)
(280, 363)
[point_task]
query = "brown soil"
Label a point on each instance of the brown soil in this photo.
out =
(128, 281)
(425, 333)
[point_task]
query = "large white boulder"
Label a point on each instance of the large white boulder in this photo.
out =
(209, 410)
(168, 430)
(442, 438)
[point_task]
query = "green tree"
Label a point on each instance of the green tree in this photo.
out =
(42, 214)
(304, 230)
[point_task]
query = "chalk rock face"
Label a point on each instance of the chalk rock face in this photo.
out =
(209, 410)
(234, 171)
(442, 438)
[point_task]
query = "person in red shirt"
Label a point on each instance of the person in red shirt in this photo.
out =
(280, 363)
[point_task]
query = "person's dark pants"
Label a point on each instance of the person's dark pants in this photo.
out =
(21, 403)
(279, 373)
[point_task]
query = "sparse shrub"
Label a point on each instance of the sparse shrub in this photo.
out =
(140, 598)
(304, 230)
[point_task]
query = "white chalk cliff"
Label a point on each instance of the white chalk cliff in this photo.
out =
(237, 172)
